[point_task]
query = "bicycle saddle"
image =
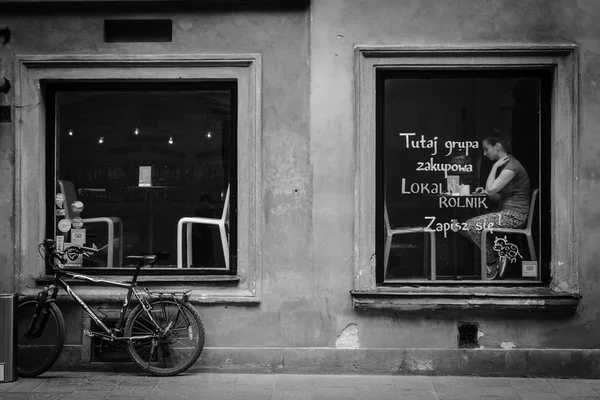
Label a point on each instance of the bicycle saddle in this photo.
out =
(151, 257)
(160, 255)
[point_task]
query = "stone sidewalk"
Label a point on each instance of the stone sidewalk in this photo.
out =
(211, 386)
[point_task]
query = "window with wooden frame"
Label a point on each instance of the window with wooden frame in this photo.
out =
(427, 122)
(129, 131)
(434, 212)
(150, 165)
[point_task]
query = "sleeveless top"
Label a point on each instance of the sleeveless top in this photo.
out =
(516, 195)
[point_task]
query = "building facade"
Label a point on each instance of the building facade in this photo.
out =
(341, 144)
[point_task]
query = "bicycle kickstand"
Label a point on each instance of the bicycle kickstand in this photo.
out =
(151, 355)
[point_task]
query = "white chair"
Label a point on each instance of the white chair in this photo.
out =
(525, 231)
(429, 237)
(188, 221)
(68, 190)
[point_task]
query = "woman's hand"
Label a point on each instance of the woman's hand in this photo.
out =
(501, 162)
(494, 185)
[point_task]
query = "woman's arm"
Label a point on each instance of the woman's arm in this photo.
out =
(493, 184)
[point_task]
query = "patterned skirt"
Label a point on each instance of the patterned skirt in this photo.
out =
(500, 219)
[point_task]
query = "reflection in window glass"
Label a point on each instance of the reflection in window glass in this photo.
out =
(139, 159)
(460, 152)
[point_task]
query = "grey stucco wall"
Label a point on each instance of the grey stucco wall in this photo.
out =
(338, 26)
(7, 201)
(308, 138)
(7, 188)
(281, 36)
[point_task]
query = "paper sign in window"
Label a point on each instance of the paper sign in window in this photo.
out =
(145, 176)
(530, 269)
(76, 262)
(78, 236)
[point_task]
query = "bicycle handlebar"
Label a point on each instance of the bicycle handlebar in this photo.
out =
(70, 253)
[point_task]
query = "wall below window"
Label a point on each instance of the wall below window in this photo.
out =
(398, 361)
(305, 321)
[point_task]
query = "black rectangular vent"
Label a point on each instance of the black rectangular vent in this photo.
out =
(5, 112)
(138, 30)
(467, 335)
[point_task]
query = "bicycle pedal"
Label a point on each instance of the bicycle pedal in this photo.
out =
(88, 333)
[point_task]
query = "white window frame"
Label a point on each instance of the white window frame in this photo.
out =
(562, 60)
(32, 71)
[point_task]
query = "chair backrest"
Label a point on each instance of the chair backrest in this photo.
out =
(386, 220)
(68, 190)
(532, 208)
(225, 206)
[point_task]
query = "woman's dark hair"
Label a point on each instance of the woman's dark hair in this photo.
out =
(497, 136)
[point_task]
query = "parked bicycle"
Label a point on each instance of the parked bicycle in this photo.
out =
(163, 334)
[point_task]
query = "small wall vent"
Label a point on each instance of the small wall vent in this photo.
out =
(467, 335)
(5, 112)
(138, 30)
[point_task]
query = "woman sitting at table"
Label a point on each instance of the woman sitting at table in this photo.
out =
(512, 188)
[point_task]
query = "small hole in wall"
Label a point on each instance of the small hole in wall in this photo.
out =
(467, 335)
(5, 114)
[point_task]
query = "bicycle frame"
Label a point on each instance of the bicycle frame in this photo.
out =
(132, 289)
(57, 281)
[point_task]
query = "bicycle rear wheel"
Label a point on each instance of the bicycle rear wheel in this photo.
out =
(175, 351)
(38, 353)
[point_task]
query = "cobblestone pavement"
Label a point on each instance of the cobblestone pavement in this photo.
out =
(211, 386)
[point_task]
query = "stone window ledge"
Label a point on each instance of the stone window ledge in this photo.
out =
(208, 289)
(160, 279)
(405, 298)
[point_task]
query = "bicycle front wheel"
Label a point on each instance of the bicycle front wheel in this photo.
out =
(181, 337)
(38, 351)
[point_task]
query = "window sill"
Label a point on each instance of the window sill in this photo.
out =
(150, 279)
(476, 298)
(206, 289)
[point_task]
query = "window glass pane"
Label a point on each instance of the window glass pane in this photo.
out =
(143, 157)
(439, 136)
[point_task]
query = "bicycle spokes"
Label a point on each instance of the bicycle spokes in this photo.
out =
(179, 337)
